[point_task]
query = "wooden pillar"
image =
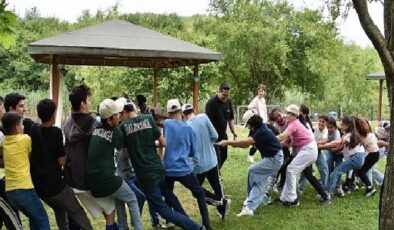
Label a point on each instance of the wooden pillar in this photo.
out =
(380, 99)
(195, 88)
(56, 88)
(155, 77)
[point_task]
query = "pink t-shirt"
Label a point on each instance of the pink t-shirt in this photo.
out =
(299, 135)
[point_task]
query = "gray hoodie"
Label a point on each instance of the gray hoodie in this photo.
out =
(78, 130)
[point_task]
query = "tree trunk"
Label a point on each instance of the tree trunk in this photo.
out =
(384, 45)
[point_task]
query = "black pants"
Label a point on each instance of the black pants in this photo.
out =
(287, 158)
(221, 154)
(370, 161)
(8, 215)
(213, 178)
(252, 151)
(308, 173)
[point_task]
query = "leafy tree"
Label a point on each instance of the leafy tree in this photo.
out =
(7, 21)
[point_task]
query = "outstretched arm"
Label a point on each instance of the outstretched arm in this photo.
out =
(244, 143)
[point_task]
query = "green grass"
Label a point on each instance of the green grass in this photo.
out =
(354, 211)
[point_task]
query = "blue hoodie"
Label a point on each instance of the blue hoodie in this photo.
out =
(205, 157)
(180, 146)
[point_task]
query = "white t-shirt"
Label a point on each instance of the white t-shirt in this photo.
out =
(259, 105)
(370, 143)
(349, 152)
(321, 135)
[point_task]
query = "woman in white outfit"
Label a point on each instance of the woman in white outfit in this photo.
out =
(258, 104)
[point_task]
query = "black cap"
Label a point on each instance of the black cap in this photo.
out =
(224, 86)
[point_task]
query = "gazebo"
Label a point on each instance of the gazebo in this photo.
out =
(118, 43)
(381, 77)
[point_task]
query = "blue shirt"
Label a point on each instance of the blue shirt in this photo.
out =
(180, 145)
(266, 141)
(205, 156)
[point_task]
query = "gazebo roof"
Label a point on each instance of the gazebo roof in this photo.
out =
(376, 76)
(119, 43)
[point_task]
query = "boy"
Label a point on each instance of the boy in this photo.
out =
(14, 102)
(205, 163)
(125, 170)
(78, 130)
(47, 159)
(176, 161)
(19, 187)
(101, 177)
(8, 215)
(141, 132)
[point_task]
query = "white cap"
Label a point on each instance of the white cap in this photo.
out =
(293, 109)
(173, 105)
(248, 114)
(109, 107)
(187, 107)
(124, 101)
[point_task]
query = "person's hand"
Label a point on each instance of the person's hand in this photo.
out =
(235, 136)
(222, 143)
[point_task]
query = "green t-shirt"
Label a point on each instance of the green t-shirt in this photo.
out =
(101, 178)
(140, 134)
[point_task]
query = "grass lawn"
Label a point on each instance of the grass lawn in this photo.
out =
(354, 211)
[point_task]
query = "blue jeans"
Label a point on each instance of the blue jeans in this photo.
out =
(125, 195)
(323, 171)
(154, 196)
(355, 162)
(191, 182)
(333, 160)
(27, 201)
(258, 175)
(120, 208)
(375, 175)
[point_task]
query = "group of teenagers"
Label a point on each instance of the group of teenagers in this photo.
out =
(113, 161)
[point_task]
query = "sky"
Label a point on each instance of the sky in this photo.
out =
(69, 10)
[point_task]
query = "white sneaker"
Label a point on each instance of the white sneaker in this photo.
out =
(250, 159)
(245, 212)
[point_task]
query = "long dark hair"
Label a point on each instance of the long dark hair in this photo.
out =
(350, 122)
(362, 126)
(305, 119)
(332, 122)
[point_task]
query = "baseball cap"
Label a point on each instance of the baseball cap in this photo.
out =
(187, 106)
(248, 114)
(173, 105)
(109, 107)
(125, 102)
(293, 109)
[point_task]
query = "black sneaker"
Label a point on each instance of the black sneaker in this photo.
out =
(370, 192)
(224, 208)
(291, 204)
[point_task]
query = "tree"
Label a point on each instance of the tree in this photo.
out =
(384, 45)
(271, 43)
(7, 21)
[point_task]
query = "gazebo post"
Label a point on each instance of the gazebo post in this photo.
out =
(195, 88)
(155, 76)
(55, 88)
(380, 99)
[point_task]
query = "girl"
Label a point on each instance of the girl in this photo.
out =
(369, 141)
(306, 147)
(333, 157)
(272, 158)
(258, 104)
(353, 152)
